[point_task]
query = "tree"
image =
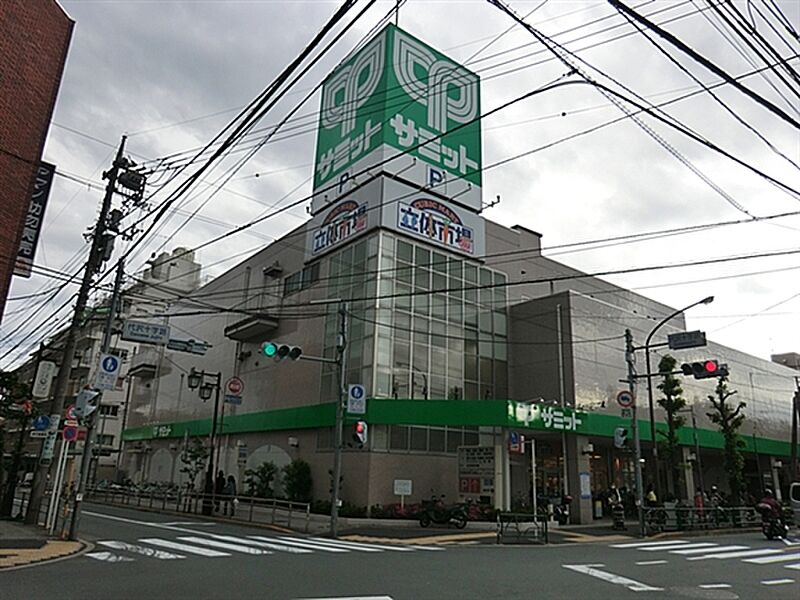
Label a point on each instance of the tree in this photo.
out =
(297, 481)
(672, 402)
(15, 407)
(729, 420)
(194, 458)
(259, 480)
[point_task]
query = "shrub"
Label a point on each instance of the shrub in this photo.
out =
(259, 480)
(297, 481)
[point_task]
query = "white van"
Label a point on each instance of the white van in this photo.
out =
(794, 500)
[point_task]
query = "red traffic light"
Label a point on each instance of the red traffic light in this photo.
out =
(711, 366)
(360, 427)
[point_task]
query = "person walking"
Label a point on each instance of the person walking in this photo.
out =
(230, 496)
(219, 489)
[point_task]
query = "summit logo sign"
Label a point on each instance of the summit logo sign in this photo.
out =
(398, 97)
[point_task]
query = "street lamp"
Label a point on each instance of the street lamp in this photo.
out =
(706, 300)
(194, 380)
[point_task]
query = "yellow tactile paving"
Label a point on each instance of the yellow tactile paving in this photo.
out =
(14, 557)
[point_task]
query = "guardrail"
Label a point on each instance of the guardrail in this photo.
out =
(248, 509)
(685, 518)
(521, 528)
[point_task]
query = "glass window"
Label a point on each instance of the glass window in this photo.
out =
(470, 366)
(384, 351)
(421, 329)
(454, 268)
(439, 262)
(470, 344)
(379, 437)
(486, 277)
(470, 315)
(455, 438)
(400, 385)
(439, 282)
(485, 320)
(438, 334)
(360, 252)
(436, 440)
(471, 438)
(421, 303)
(404, 273)
(402, 354)
(422, 257)
(439, 362)
(405, 251)
(383, 384)
(500, 349)
(422, 278)
(455, 365)
(402, 325)
(402, 300)
(470, 273)
(439, 306)
(419, 438)
(499, 323)
(471, 390)
(438, 387)
(420, 357)
(398, 437)
(454, 310)
(486, 371)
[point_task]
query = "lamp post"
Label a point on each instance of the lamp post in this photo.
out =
(197, 379)
(706, 300)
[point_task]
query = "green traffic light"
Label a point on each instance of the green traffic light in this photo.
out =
(269, 349)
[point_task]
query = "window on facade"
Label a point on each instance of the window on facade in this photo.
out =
(109, 410)
(105, 439)
(121, 353)
(398, 437)
(302, 279)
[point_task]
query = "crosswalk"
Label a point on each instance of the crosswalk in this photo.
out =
(699, 551)
(210, 545)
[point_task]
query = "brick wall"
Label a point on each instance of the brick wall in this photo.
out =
(34, 37)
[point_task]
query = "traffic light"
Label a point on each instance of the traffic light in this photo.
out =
(705, 369)
(620, 437)
(280, 351)
(360, 433)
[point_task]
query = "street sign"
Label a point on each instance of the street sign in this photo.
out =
(44, 378)
(232, 399)
(38, 434)
(50, 440)
(107, 372)
(402, 487)
(686, 339)
(626, 413)
(356, 399)
(190, 346)
(69, 433)
(41, 423)
(234, 386)
(70, 413)
(516, 443)
(145, 333)
(625, 398)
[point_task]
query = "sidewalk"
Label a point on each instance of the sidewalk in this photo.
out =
(26, 544)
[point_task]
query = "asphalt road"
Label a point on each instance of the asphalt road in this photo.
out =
(149, 556)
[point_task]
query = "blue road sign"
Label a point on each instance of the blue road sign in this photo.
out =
(41, 423)
(110, 364)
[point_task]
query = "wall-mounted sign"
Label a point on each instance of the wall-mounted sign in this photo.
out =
(398, 97)
(545, 416)
(146, 333)
(33, 219)
(344, 221)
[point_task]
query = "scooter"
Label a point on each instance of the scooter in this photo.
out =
(771, 526)
(561, 511)
(437, 512)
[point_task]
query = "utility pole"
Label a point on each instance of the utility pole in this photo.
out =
(86, 459)
(341, 345)
(56, 406)
(795, 419)
(630, 358)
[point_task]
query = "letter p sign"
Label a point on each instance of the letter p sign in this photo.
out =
(435, 177)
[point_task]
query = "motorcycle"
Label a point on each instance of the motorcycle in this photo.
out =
(771, 526)
(618, 516)
(439, 513)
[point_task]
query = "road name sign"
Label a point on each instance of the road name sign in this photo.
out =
(686, 339)
(232, 399)
(44, 378)
(625, 398)
(145, 333)
(356, 399)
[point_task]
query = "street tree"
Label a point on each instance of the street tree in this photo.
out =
(194, 458)
(259, 481)
(729, 420)
(297, 481)
(672, 402)
(16, 409)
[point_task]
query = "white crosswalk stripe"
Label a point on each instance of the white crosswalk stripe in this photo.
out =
(713, 549)
(108, 557)
(143, 550)
(311, 545)
(261, 542)
(741, 554)
(183, 547)
(678, 547)
(224, 545)
(358, 546)
(649, 544)
(795, 566)
(773, 559)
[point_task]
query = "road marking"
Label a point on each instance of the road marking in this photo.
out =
(645, 563)
(143, 550)
(202, 523)
(267, 543)
(304, 544)
(777, 581)
(643, 544)
(351, 598)
(705, 545)
(714, 586)
(357, 546)
(108, 557)
(631, 584)
(795, 566)
(716, 549)
(183, 547)
(224, 545)
(791, 542)
(773, 559)
(742, 554)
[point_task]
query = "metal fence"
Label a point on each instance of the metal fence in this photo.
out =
(249, 509)
(684, 518)
(521, 528)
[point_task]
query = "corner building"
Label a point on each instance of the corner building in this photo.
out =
(466, 338)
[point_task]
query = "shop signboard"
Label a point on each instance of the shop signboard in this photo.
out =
(399, 106)
(546, 417)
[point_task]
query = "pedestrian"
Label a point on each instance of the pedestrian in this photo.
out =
(230, 495)
(219, 489)
(700, 505)
(650, 498)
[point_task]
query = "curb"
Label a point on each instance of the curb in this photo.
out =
(83, 547)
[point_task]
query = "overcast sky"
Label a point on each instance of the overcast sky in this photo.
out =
(170, 74)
